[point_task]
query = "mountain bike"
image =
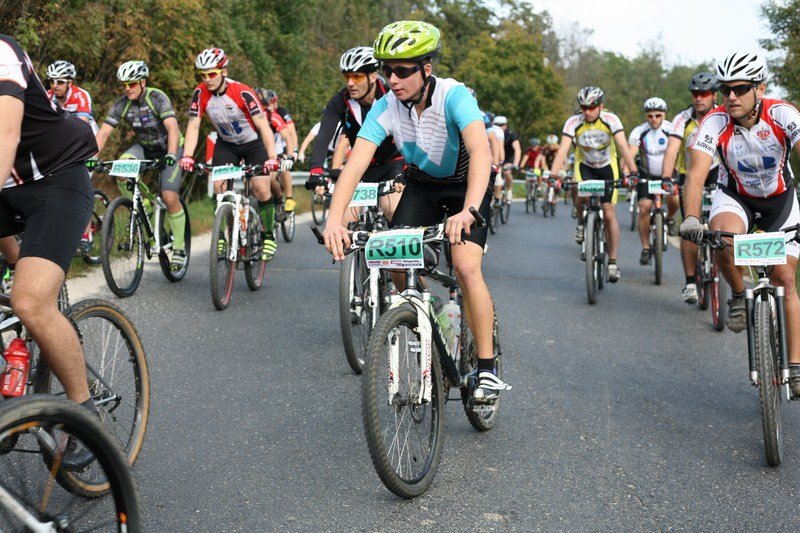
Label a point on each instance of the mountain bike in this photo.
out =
(127, 235)
(633, 208)
(320, 203)
(362, 290)
(506, 196)
(285, 219)
(116, 372)
(712, 289)
(658, 217)
(415, 357)
(768, 358)
(594, 247)
(236, 238)
(531, 180)
(35, 432)
(550, 189)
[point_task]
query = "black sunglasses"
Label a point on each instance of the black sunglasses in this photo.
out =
(400, 72)
(738, 90)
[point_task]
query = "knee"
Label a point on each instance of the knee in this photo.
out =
(468, 275)
(30, 308)
(785, 279)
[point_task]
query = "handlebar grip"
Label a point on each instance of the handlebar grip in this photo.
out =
(317, 234)
(480, 222)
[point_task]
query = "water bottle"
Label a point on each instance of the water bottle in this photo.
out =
(453, 332)
(15, 375)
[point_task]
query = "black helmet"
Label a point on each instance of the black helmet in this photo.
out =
(703, 81)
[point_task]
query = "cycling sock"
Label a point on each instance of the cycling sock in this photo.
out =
(486, 365)
(689, 280)
(737, 294)
(612, 261)
(267, 210)
(89, 404)
(177, 222)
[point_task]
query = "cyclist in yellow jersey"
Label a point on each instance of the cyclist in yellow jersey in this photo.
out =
(596, 134)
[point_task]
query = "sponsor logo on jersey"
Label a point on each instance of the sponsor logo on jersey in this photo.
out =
(792, 126)
(708, 139)
(762, 134)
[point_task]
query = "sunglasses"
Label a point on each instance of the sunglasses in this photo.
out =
(59, 82)
(655, 116)
(589, 107)
(400, 72)
(738, 90)
(702, 94)
(210, 74)
(357, 77)
(130, 84)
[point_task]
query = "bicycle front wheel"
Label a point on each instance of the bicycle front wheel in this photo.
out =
(528, 197)
(96, 225)
(254, 267)
(589, 233)
(319, 209)
(658, 245)
(122, 251)
(167, 239)
(481, 417)
(46, 426)
(288, 227)
(505, 210)
(222, 268)
(634, 209)
(494, 215)
(355, 316)
(719, 298)
(769, 381)
(404, 435)
(704, 286)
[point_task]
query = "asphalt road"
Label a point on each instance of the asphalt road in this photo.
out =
(631, 414)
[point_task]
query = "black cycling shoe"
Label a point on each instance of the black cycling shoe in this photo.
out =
(75, 459)
(644, 259)
(794, 380)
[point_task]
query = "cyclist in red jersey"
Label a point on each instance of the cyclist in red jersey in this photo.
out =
(285, 145)
(242, 129)
(73, 99)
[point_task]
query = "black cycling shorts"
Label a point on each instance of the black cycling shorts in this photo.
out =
(52, 211)
(252, 152)
(426, 204)
(383, 172)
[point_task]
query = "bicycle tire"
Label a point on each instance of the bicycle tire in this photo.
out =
(703, 285)
(634, 210)
(167, 238)
(591, 252)
(553, 209)
(116, 368)
(769, 382)
(602, 263)
(221, 268)
(505, 210)
(483, 417)
(719, 299)
(288, 227)
(98, 213)
(527, 197)
(374, 401)
(545, 208)
(254, 266)
(319, 209)
(355, 318)
(58, 420)
(493, 216)
(122, 250)
(658, 245)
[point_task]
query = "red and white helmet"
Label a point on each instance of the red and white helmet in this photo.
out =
(211, 58)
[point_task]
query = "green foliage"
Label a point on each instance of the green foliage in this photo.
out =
(783, 18)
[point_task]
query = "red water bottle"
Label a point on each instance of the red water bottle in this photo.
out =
(15, 375)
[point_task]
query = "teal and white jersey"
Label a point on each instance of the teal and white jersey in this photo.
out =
(431, 143)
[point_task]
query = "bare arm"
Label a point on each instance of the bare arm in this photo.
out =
(337, 161)
(291, 147)
(517, 152)
(480, 163)
(192, 131)
(303, 147)
(695, 178)
(11, 111)
(260, 122)
(670, 157)
(102, 136)
(173, 134)
(622, 143)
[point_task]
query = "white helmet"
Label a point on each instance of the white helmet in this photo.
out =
(655, 104)
(590, 96)
(61, 70)
(551, 139)
(132, 71)
(359, 59)
(211, 58)
(500, 120)
(742, 66)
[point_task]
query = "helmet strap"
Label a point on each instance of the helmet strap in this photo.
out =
(370, 88)
(411, 102)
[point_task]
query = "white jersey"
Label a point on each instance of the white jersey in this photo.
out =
(684, 127)
(652, 145)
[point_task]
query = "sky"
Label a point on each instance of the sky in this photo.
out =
(691, 31)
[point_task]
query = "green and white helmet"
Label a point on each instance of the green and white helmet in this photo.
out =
(132, 71)
(407, 39)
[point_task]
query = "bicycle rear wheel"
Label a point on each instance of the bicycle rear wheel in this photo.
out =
(528, 194)
(288, 227)
(319, 209)
(118, 379)
(703, 285)
(167, 238)
(122, 251)
(254, 267)
(769, 382)
(505, 210)
(590, 243)
(43, 426)
(96, 225)
(481, 417)
(404, 436)
(634, 210)
(658, 245)
(719, 298)
(222, 268)
(355, 315)
(494, 216)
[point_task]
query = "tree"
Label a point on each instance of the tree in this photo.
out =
(783, 18)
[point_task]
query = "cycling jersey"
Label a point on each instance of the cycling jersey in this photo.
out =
(344, 112)
(510, 137)
(652, 145)
(431, 142)
(146, 116)
(549, 155)
(280, 144)
(594, 141)
(498, 133)
(51, 140)
(277, 124)
(684, 127)
(77, 102)
(755, 161)
(532, 154)
(334, 140)
(231, 111)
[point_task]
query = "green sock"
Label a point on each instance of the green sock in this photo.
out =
(267, 210)
(177, 222)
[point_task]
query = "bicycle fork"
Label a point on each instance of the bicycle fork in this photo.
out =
(422, 348)
(780, 301)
